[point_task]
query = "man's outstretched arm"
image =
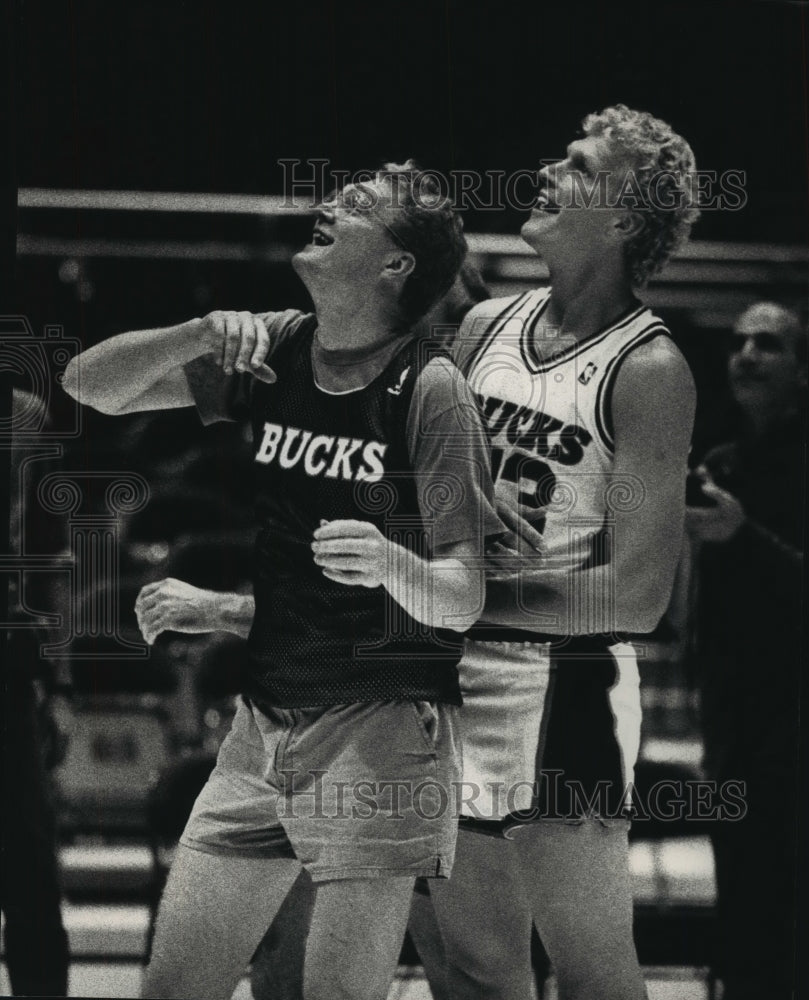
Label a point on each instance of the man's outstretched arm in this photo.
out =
(143, 370)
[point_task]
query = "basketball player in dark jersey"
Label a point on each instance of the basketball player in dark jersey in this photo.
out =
(343, 753)
(276, 971)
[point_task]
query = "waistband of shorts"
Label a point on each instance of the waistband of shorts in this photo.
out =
(557, 644)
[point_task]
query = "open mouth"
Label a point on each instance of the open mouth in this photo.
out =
(320, 238)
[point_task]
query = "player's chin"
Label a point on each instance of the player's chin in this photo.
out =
(534, 227)
(305, 260)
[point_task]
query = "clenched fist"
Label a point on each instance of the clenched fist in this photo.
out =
(239, 342)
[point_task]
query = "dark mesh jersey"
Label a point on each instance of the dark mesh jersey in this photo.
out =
(325, 456)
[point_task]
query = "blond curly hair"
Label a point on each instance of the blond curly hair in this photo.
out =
(664, 169)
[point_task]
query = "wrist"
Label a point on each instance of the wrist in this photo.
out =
(236, 612)
(398, 564)
(194, 339)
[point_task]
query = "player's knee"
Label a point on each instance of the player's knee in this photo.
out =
(353, 982)
(159, 982)
(609, 978)
(490, 973)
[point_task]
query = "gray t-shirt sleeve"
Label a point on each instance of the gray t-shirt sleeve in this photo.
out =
(451, 459)
(218, 396)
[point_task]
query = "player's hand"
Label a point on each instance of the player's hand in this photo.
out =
(720, 521)
(352, 552)
(239, 342)
(175, 606)
(522, 537)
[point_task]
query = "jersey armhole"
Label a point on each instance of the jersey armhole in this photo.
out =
(603, 409)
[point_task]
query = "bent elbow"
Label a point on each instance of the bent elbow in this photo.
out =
(637, 625)
(469, 608)
(106, 407)
(70, 379)
(643, 615)
(461, 624)
(76, 389)
(457, 619)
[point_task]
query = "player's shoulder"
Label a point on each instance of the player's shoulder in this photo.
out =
(484, 313)
(440, 375)
(285, 323)
(656, 352)
(282, 317)
(492, 307)
(653, 369)
(478, 323)
(440, 387)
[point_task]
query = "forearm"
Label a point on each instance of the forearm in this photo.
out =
(114, 373)
(172, 605)
(235, 613)
(573, 602)
(441, 593)
(555, 601)
(526, 599)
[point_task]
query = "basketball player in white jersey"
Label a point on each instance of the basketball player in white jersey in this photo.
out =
(589, 407)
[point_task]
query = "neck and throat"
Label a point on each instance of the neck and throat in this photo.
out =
(354, 342)
(589, 296)
(349, 320)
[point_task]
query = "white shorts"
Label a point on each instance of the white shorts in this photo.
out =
(504, 686)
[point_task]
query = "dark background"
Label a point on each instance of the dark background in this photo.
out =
(204, 96)
(207, 96)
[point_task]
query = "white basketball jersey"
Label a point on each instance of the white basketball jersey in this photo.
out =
(546, 401)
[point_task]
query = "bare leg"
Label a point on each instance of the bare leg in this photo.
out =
(426, 935)
(213, 914)
(356, 937)
(277, 971)
(485, 922)
(577, 877)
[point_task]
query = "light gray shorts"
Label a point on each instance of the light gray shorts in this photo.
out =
(351, 791)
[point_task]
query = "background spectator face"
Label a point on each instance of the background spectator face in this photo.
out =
(766, 366)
